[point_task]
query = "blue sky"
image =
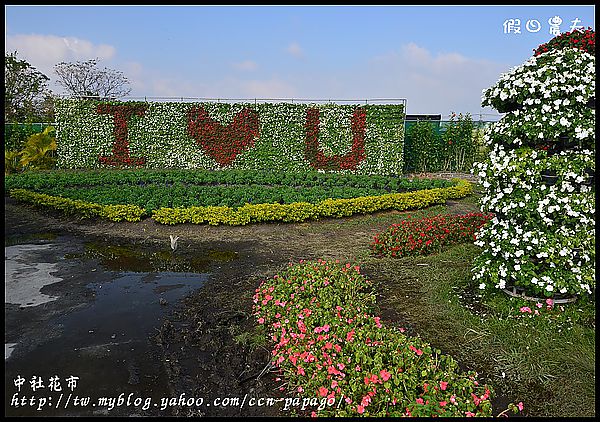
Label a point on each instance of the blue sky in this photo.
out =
(439, 58)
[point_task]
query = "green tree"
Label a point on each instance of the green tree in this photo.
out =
(26, 94)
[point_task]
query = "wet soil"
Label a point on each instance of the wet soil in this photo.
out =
(207, 344)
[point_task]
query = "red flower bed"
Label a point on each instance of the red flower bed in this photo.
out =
(428, 235)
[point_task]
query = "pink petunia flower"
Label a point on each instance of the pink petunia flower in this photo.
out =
(525, 309)
(443, 385)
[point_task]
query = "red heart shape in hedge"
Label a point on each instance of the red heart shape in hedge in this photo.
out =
(223, 143)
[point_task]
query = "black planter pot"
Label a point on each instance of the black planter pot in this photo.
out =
(566, 142)
(522, 293)
(508, 107)
(589, 177)
(549, 177)
(535, 260)
(591, 103)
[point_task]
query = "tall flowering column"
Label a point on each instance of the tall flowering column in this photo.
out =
(539, 178)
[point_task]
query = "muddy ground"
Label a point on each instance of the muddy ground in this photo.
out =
(208, 341)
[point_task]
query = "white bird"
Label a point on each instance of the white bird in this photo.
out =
(173, 241)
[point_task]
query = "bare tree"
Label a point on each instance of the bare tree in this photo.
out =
(86, 79)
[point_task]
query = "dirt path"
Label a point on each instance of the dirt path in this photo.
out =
(209, 346)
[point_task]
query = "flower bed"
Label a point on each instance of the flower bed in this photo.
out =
(154, 189)
(250, 213)
(428, 235)
(328, 345)
(302, 211)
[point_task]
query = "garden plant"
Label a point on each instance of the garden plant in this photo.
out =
(539, 177)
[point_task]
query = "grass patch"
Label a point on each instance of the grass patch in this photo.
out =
(546, 361)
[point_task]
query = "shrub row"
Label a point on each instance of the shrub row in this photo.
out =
(301, 211)
(78, 208)
(328, 344)
(155, 190)
(73, 178)
(450, 146)
(251, 213)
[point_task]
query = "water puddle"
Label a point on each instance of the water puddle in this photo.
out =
(100, 349)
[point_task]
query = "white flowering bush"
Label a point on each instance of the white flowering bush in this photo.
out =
(547, 126)
(538, 179)
(159, 136)
(567, 74)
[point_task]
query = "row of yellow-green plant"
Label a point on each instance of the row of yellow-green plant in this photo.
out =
(252, 213)
(79, 208)
(302, 211)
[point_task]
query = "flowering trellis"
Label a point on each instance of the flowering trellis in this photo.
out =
(539, 178)
(364, 139)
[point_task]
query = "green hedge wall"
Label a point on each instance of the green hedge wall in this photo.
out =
(366, 139)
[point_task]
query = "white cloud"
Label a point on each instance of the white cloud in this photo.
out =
(48, 50)
(166, 87)
(270, 88)
(431, 84)
(295, 50)
(135, 73)
(247, 65)
(45, 51)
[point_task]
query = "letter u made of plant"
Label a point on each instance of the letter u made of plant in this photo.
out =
(348, 161)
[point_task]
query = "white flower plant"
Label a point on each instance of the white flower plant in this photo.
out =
(161, 136)
(538, 179)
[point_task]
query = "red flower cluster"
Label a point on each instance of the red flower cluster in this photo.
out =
(223, 143)
(582, 40)
(120, 152)
(348, 161)
(421, 237)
